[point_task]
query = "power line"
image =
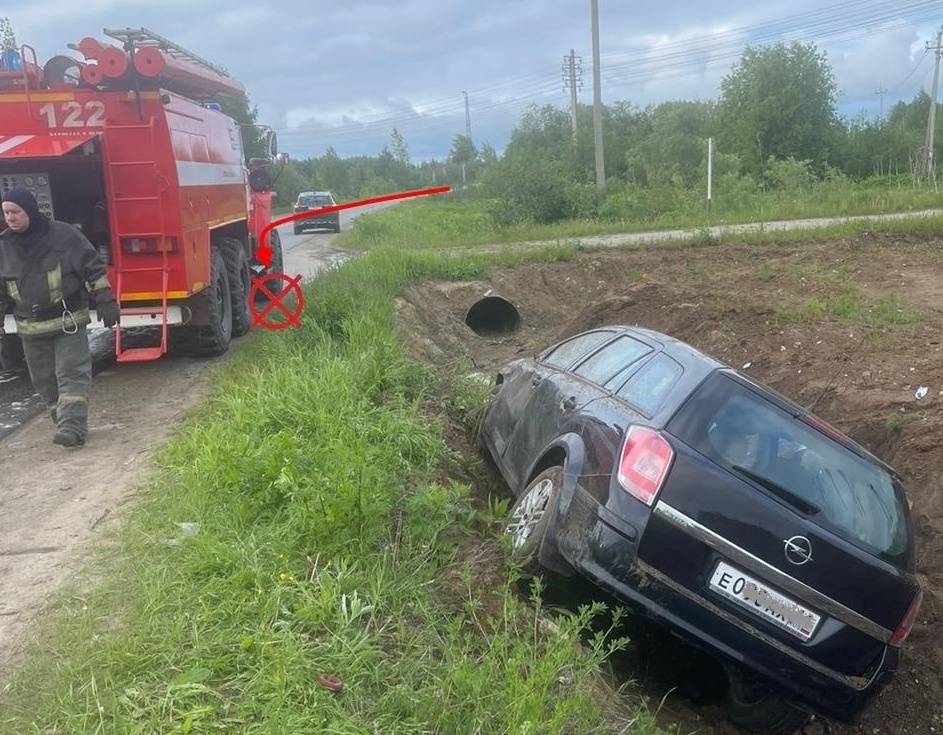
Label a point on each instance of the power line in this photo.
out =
(597, 101)
(880, 92)
(467, 119)
(832, 23)
(572, 71)
(926, 157)
(845, 21)
(538, 87)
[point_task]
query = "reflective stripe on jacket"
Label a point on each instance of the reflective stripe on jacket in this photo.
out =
(46, 276)
(68, 321)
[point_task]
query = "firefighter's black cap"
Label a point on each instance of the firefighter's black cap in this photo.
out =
(25, 200)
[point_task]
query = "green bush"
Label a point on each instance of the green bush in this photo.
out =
(536, 190)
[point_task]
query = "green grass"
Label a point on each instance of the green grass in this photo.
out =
(848, 306)
(889, 311)
(326, 544)
(456, 221)
(900, 419)
(765, 273)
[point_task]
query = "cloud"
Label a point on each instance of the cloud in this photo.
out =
(345, 73)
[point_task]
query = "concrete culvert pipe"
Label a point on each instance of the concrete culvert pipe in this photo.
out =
(492, 316)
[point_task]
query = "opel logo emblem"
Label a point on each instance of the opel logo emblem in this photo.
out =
(798, 550)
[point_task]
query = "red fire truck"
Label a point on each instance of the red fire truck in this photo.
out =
(129, 143)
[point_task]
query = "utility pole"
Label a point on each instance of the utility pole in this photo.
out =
(931, 122)
(467, 119)
(572, 71)
(597, 103)
(710, 175)
(880, 93)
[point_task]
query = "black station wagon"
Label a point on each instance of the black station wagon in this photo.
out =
(716, 506)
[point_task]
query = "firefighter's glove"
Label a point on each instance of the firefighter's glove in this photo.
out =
(108, 312)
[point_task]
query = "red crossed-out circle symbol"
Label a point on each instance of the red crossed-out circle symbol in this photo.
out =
(276, 301)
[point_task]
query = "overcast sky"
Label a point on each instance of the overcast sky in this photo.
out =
(344, 73)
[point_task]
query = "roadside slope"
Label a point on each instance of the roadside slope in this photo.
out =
(53, 500)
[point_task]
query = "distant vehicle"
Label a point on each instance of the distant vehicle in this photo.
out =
(717, 507)
(308, 200)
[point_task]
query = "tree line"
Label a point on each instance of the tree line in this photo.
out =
(774, 127)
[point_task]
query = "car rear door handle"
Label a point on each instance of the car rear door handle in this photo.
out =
(535, 381)
(568, 403)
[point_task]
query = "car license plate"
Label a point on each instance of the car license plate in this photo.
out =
(764, 602)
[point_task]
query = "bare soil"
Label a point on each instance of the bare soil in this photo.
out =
(53, 500)
(753, 307)
(861, 374)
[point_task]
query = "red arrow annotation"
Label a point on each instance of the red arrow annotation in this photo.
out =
(263, 253)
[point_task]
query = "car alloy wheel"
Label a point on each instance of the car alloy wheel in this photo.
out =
(530, 516)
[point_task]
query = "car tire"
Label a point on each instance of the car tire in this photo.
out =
(530, 518)
(752, 706)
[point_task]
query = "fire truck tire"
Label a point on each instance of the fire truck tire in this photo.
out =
(212, 339)
(278, 257)
(277, 264)
(240, 282)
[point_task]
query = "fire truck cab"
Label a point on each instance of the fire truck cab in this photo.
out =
(130, 145)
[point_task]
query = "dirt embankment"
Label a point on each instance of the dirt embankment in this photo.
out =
(860, 373)
(852, 327)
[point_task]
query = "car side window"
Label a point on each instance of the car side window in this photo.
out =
(650, 385)
(564, 354)
(614, 359)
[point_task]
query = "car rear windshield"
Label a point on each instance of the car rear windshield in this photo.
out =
(852, 496)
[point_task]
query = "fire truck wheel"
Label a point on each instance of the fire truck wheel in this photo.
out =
(277, 264)
(213, 338)
(240, 282)
(278, 258)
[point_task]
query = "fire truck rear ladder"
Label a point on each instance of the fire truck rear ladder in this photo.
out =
(144, 37)
(147, 173)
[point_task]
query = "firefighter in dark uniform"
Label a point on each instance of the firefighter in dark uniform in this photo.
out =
(47, 271)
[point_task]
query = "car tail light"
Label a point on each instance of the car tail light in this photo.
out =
(816, 423)
(908, 622)
(646, 458)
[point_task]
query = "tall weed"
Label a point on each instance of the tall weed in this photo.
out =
(297, 529)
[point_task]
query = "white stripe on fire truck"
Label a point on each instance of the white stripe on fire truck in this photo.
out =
(13, 141)
(190, 173)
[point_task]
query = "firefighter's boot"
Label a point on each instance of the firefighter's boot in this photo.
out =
(67, 438)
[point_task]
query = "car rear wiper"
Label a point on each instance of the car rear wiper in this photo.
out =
(786, 494)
